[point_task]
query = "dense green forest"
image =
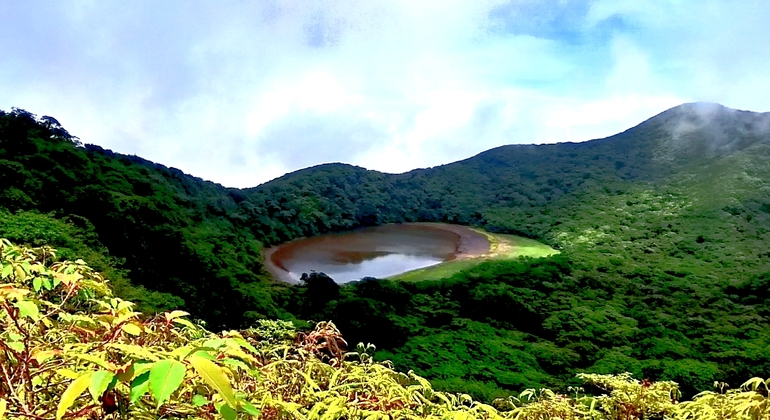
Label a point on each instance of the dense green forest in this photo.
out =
(664, 231)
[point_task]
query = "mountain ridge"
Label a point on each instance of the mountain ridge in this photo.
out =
(695, 112)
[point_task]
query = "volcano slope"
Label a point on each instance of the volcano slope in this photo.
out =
(663, 232)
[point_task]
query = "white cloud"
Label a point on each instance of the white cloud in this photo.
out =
(242, 92)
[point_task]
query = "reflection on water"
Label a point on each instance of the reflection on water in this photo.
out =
(380, 267)
(379, 252)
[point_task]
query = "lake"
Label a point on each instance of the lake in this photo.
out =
(380, 251)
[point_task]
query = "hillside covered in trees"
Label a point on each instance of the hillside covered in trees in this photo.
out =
(664, 231)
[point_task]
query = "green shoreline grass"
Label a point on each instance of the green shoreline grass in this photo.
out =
(501, 247)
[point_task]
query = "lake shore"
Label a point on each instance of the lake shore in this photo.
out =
(274, 268)
(470, 243)
(502, 247)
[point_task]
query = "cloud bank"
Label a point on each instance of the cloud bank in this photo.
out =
(242, 92)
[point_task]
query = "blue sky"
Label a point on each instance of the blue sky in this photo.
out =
(241, 92)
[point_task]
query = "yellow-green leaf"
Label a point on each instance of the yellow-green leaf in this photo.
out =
(47, 322)
(11, 292)
(28, 308)
(16, 346)
(214, 343)
(93, 359)
(100, 381)
(132, 329)
(125, 316)
(235, 351)
(141, 367)
(165, 378)
(237, 363)
(181, 353)
(137, 351)
(124, 305)
(67, 373)
(44, 355)
(752, 383)
(71, 394)
(204, 354)
(3, 407)
(214, 376)
(184, 322)
(245, 344)
(227, 412)
(139, 386)
(174, 314)
(249, 408)
(199, 400)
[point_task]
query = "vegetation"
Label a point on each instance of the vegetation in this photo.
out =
(663, 235)
(70, 350)
(176, 234)
(501, 247)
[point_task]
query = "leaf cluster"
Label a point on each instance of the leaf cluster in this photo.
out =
(70, 350)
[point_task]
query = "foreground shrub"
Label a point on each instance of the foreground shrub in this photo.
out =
(71, 350)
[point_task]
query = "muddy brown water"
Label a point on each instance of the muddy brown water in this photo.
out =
(380, 252)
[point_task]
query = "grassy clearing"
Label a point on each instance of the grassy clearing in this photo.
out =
(512, 246)
(501, 247)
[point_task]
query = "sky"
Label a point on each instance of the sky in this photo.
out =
(240, 92)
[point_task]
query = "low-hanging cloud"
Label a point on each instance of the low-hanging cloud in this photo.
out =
(241, 92)
(711, 129)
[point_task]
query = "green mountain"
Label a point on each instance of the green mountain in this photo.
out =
(664, 232)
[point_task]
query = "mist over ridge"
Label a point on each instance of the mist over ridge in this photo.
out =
(698, 129)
